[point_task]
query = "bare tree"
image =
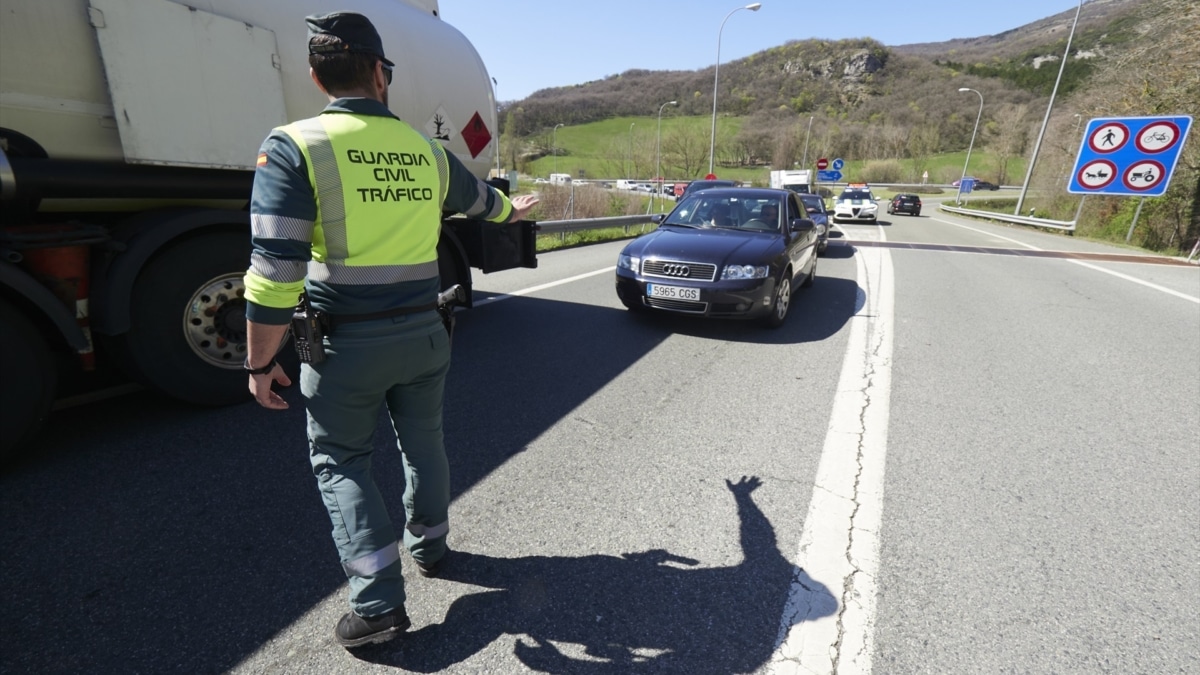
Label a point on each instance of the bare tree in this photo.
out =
(685, 150)
(922, 143)
(1007, 136)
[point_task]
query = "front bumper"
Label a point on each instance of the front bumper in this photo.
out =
(856, 213)
(742, 299)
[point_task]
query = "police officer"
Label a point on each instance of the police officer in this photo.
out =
(347, 208)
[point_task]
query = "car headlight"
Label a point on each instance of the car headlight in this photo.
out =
(628, 262)
(734, 272)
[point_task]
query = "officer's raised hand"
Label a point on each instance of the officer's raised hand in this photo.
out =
(522, 205)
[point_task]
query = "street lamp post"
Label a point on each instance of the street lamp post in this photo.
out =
(958, 198)
(1046, 120)
(806, 136)
(712, 145)
(628, 172)
(554, 144)
(658, 148)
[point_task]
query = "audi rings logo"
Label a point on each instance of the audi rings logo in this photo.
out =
(676, 270)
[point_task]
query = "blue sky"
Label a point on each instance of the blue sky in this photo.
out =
(534, 44)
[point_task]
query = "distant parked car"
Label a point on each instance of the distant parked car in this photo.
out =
(815, 206)
(725, 252)
(984, 185)
(905, 203)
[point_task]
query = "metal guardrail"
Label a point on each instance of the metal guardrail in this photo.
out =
(1066, 225)
(581, 224)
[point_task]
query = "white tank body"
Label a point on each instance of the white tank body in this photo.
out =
(201, 84)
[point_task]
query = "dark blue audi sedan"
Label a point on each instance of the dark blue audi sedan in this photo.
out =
(722, 252)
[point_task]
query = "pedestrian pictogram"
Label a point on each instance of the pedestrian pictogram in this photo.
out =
(1131, 156)
(1109, 137)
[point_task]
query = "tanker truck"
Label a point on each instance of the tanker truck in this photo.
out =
(128, 135)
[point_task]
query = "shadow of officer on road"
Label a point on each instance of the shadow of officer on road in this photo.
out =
(637, 612)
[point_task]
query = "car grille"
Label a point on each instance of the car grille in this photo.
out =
(675, 269)
(677, 305)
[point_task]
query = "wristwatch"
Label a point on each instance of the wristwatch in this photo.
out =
(259, 371)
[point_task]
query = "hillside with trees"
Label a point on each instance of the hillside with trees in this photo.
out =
(896, 107)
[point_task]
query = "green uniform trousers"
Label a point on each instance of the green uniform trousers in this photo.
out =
(402, 363)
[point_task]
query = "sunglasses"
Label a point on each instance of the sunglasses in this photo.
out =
(387, 72)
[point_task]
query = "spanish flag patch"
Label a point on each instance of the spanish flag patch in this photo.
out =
(262, 159)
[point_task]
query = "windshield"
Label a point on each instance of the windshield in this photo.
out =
(812, 203)
(727, 212)
(856, 194)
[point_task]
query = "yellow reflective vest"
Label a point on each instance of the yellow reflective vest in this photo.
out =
(379, 187)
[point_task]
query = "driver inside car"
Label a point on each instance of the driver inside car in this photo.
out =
(769, 214)
(719, 215)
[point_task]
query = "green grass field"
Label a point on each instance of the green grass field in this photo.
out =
(611, 149)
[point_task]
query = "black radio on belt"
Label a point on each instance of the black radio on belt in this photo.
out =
(308, 333)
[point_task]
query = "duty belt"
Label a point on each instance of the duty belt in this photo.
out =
(332, 321)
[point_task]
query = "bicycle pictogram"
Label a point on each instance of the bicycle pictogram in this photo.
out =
(1156, 137)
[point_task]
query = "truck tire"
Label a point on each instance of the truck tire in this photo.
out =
(187, 334)
(29, 381)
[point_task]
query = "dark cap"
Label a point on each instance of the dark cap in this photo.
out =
(354, 32)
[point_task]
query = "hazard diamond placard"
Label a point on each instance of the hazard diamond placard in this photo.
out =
(1130, 156)
(476, 135)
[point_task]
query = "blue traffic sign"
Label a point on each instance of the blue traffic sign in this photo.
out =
(1130, 156)
(838, 164)
(829, 176)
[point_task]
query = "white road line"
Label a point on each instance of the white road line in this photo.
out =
(1081, 263)
(535, 289)
(828, 626)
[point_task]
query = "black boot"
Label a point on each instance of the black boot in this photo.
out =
(430, 570)
(354, 630)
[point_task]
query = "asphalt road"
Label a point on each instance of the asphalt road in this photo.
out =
(637, 494)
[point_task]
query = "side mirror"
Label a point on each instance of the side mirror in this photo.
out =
(658, 218)
(802, 225)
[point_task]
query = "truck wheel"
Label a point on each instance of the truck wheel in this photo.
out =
(187, 337)
(29, 380)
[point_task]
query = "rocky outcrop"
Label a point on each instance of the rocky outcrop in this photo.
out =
(860, 65)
